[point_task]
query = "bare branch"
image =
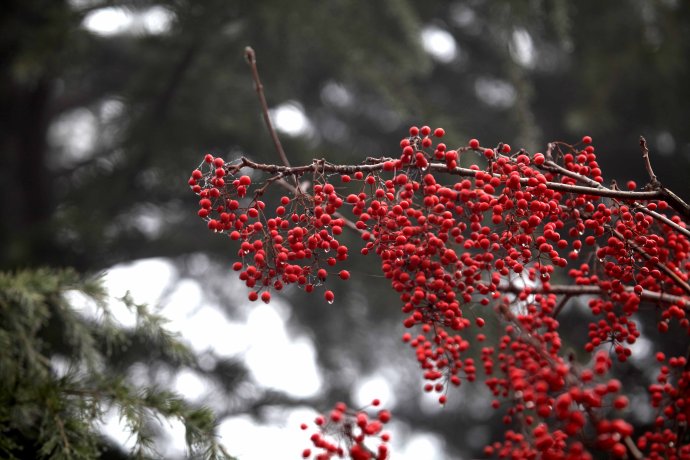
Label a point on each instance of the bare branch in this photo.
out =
(259, 87)
(561, 305)
(570, 291)
(633, 448)
(441, 167)
(676, 203)
(661, 193)
(648, 164)
(674, 200)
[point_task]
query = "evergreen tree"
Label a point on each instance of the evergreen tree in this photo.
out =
(59, 380)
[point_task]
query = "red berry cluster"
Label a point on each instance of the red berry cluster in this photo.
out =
(548, 393)
(357, 433)
(670, 396)
(463, 245)
(629, 253)
(297, 244)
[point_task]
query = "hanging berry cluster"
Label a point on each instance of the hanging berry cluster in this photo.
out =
(297, 244)
(463, 245)
(357, 433)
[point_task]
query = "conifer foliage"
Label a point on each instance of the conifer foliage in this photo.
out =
(56, 387)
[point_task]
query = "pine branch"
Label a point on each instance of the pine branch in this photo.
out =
(59, 410)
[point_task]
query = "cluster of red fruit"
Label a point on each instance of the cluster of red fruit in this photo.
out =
(292, 247)
(670, 396)
(352, 429)
(461, 244)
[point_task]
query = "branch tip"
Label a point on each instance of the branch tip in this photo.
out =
(648, 164)
(250, 55)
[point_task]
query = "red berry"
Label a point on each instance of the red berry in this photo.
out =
(488, 153)
(329, 296)
(619, 450)
(631, 185)
(266, 296)
(439, 132)
(587, 140)
(425, 131)
(344, 274)
(620, 402)
(253, 296)
(384, 416)
(474, 143)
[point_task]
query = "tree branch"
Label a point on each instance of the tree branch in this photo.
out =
(250, 55)
(630, 444)
(660, 217)
(570, 291)
(459, 171)
(662, 193)
(592, 188)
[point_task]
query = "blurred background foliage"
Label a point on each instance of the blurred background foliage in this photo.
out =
(100, 131)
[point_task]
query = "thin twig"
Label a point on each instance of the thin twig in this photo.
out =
(647, 163)
(348, 223)
(561, 305)
(674, 200)
(633, 448)
(549, 151)
(259, 87)
(555, 167)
